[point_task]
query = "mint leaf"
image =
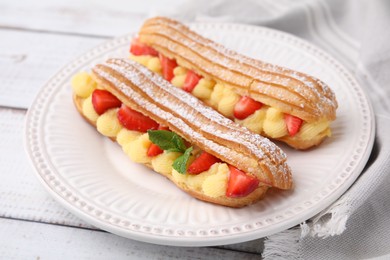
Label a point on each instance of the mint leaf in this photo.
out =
(180, 164)
(179, 143)
(167, 140)
(172, 142)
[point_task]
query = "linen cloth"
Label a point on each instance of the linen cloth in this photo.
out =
(356, 32)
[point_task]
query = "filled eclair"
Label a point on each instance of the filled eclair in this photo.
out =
(270, 100)
(167, 129)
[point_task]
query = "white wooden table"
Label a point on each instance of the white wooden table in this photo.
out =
(37, 38)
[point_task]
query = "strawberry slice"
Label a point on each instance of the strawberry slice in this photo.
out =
(293, 124)
(168, 65)
(191, 80)
(154, 149)
(240, 184)
(163, 127)
(202, 163)
(245, 107)
(134, 120)
(102, 100)
(138, 48)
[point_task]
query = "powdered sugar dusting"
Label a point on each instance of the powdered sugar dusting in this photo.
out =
(232, 67)
(159, 102)
(235, 133)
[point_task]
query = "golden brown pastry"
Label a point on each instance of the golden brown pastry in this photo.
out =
(270, 100)
(167, 129)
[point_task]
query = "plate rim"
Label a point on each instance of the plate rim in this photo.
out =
(178, 240)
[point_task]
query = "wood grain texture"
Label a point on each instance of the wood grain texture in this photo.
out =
(104, 18)
(29, 240)
(21, 194)
(28, 60)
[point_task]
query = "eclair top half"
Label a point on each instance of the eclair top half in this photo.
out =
(290, 91)
(148, 93)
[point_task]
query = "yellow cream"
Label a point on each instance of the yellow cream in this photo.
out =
(196, 181)
(88, 110)
(228, 101)
(178, 177)
(179, 71)
(126, 136)
(108, 124)
(274, 125)
(216, 95)
(82, 84)
(143, 59)
(178, 81)
(212, 182)
(203, 89)
(154, 65)
(255, 121)
(310, 130)
(215, 185)
(163, 162)
(151, 62)
(137, 150)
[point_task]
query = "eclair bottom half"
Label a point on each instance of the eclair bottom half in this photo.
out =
(210, 185)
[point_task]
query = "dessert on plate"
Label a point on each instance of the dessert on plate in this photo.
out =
(270, 100)
(169, 130)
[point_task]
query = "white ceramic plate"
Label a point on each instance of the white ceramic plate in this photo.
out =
(94, 179)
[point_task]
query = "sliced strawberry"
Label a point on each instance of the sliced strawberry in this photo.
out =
(168, 65)
(293, 124)
(134, 120)
(245, 107)
(154, 149)
(202, 163)
(138, 48)
(191, 80)
(162, 127)
(240, 184)
(102, 100)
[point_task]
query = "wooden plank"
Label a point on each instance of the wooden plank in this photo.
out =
(91, 17)
(254, 246)
(28, 60)
(29, 240)
(21, 195)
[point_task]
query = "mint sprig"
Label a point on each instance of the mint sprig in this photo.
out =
(171, 142)
(180, 164)
(167, 140)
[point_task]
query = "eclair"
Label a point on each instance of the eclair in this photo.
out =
(205, 154)
(270, 100)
